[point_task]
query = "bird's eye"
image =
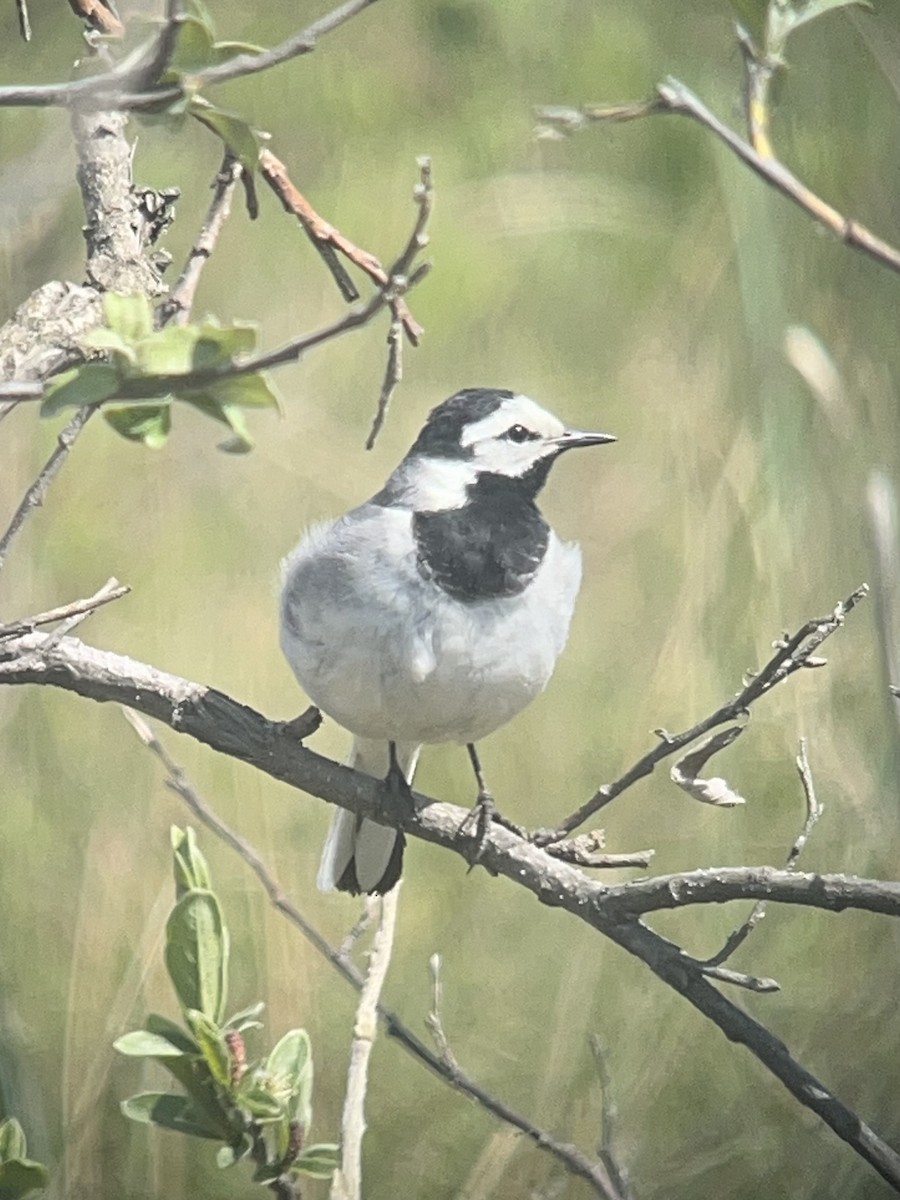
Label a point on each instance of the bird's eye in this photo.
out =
(518, 433)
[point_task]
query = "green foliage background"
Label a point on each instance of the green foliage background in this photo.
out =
(635, 279)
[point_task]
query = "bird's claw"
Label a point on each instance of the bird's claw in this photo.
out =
(480, 817)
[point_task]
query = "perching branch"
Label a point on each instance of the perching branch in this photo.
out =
(234, 729)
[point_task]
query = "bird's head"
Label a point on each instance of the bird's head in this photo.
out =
(486, 435)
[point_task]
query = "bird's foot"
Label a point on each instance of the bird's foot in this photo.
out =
(480, 817)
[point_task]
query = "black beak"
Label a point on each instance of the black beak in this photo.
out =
(576, 437)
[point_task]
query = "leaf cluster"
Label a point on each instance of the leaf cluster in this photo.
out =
(180, 362)
(20, 1176)
(260, 1111)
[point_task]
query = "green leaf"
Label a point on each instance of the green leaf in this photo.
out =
(172, 1033)
(194, 49)
(191, 868)
(167, 351)
(170, 1112)
(197, 953)
(20, 1176)
(245, 1018)
(245, 391)
(319, 1161)
(230, 340)
(12, 1140)
(290, 1065)
(234, 131)
(211, 1040)
(259, 1099)
(225, 1157)
(147, 423)
(224, 51)
(129, 316)
(90, 384)
(102, 338)
(141, 1043)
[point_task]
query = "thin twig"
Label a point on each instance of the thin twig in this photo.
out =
(609, 1113)
(813, 813)
(34, 496)
(393, 373)
(570, 1157)
(323, 234)
(435, 1021)
(759, 72)
(24, 22)
(324, 237)
(111, 590)
(673, 97)
(116, 88)
(792, 654)
(176, 308)
(346, 1183)
(424, 198)
(98, 16)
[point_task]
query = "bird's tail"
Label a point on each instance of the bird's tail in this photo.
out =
(359, 855)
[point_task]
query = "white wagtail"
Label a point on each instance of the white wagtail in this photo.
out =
(435, 611)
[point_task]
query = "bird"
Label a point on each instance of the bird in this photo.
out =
(435, 611)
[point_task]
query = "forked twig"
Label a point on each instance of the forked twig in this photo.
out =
(792, 654)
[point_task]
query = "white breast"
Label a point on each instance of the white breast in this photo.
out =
(389, 655)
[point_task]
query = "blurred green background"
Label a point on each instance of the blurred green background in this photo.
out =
(636, 279)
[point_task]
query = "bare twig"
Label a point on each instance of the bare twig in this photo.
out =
(424, 197)
(813, 813)
(129, 87)
(322, 234)
(176, 308)
(571, 1158)
(672, 96)
(13, 390)
(24, 22)
(586, 850)
(98, 16)
(435, 1021)
(393, 373)
(759, 71)
(792, 654)
(347, 1181)
(34, 496)
(111, 590)
(609, 1113)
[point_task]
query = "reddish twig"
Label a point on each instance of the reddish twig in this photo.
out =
(323, 235)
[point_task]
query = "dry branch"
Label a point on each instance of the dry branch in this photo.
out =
(673, 97)
(232, 728)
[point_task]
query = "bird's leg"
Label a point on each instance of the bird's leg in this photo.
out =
(484, 811)
(397, 785)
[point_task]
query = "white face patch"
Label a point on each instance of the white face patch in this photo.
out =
(502, 455)
(435, 484)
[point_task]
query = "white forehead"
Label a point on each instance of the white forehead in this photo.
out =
(517, 410)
